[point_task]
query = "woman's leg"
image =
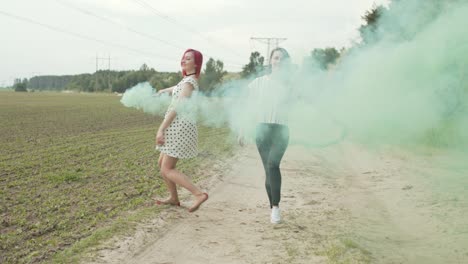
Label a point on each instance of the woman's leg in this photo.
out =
(171, 187)
(280, 137)
(172, 174)
(263, 141)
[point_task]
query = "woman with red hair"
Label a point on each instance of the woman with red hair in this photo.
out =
(177, 137)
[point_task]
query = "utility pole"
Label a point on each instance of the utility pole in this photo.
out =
(269, 42)
(98, 59)
(109, 75)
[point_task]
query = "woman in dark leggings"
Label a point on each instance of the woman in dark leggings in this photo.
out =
(272, 94)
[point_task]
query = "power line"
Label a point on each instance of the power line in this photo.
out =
(87, 12)
(82, 36)
(185, 27)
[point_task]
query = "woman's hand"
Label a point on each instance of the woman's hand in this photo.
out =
(160, 137)
(167, 90)
(160, 92)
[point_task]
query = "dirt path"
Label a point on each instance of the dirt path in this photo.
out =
(338, 204)
(407, 208)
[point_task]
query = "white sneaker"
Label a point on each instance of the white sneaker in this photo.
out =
(275, 215)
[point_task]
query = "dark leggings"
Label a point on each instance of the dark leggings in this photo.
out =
(272, 141)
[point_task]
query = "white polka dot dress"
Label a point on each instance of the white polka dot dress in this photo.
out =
(181, 137)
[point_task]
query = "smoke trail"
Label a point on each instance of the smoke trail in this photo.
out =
(410, 82)
(426, 72)
(399, 89)
(207, 111)
(144, 97)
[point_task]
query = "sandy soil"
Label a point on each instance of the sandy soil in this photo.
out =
(339, 204)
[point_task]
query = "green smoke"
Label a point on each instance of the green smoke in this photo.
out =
(142, 96)
(407, 86)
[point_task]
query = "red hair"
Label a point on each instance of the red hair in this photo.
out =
(198, 61)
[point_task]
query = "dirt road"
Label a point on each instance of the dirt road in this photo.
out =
(339, 204)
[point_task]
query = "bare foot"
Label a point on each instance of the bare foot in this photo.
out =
(201, 198)
(168, 202)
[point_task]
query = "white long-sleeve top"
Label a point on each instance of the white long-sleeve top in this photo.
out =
(269, 99)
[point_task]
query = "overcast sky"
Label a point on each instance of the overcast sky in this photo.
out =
(56, 37)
